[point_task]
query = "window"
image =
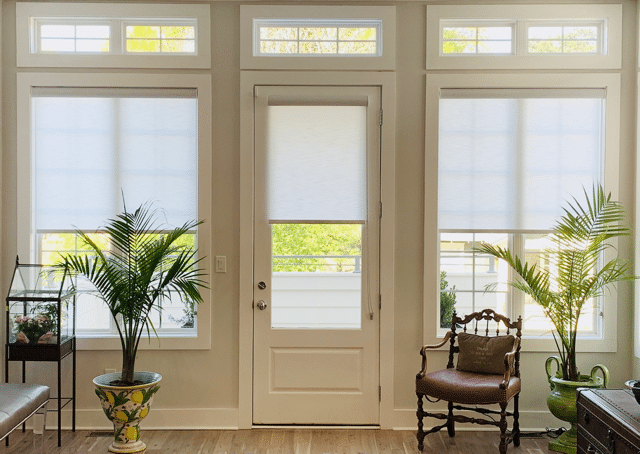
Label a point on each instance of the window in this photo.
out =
(468, 38)
(508, 159)
(565, 38)
(113, 35)
(160, 38)
(317, 37)
(102, 145)
(95, 141)
(61, 36)
(524, 36)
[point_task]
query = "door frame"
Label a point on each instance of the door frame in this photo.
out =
(248, 80)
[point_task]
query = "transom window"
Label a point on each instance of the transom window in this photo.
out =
(563, 38)
(73, 37)
(160, 38)
(290, 37)
(465, 38)
(512, 36)
(95, 36)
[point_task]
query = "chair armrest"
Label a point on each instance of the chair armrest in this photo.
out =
(509, 359)
(423, 352)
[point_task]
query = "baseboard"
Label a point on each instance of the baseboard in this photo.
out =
(227, 419)
(158, 419)
(530, 421)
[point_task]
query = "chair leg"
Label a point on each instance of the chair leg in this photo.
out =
(420, 435)
(516, 423)
(451, 425)
(503, 428)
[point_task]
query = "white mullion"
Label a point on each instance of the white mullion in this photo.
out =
(473, 274)
(515, 298)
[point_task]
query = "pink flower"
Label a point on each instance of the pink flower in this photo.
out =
(22, 319)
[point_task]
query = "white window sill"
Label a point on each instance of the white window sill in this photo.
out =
(173, 341)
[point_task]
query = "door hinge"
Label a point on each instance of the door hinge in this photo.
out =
(380, 301)
(379, 393)
(380, 210)
(380, 117)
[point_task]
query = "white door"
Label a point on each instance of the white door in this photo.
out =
(316, 255)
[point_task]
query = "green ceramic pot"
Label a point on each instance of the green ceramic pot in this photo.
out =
(562, 401)
(126, 407)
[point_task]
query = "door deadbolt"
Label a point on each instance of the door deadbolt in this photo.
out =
(262, 305)
(262, 285)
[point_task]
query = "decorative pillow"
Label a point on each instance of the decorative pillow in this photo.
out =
(482, 354)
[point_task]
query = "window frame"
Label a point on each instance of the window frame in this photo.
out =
(386, 61)
(118, 15)
(435, 82)
(26, 235)
(611, 33)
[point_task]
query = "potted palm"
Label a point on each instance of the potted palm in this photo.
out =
(144, 266)
(580, 269)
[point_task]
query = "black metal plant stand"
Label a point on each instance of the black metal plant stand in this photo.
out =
(40, 299)
(68, 349)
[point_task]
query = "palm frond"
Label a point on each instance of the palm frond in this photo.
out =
(581, 238)
(145, 263)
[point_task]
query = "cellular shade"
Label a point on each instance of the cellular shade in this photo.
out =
(510, 159)
(91, 146)
(316, 159)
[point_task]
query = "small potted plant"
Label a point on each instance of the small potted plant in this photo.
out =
(144, 265)
(580, 271)
(34, 329)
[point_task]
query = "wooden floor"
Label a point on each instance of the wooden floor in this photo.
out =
(280, 441)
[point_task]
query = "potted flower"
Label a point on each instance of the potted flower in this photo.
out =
(34, 329)
(144, 265)
(582, 264)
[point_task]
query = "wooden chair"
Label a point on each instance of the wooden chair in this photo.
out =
(487, 372)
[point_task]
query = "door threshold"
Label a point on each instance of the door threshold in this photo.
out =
(316, 426)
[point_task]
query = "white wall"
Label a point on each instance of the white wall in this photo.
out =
(200, 387)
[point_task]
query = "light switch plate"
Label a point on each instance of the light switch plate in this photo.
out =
(221, 264)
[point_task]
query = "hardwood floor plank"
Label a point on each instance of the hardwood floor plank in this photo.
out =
(282, 441)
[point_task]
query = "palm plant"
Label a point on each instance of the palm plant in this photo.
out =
(144, 266)
(574, 276)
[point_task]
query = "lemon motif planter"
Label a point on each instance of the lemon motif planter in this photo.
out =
(126, 407)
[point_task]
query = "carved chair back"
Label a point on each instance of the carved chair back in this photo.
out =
(485, 323)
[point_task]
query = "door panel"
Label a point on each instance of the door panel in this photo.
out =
(316, 324)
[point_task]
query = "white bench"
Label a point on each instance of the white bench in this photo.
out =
(20, 401)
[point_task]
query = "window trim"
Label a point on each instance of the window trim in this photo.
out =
(611, 34)
(25, 236)
(386, 61)
(435, 82)
(117, 14)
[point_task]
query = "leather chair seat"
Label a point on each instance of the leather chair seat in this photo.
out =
(17, 402)
(466, 387)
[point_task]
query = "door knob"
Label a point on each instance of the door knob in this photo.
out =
(262, 305)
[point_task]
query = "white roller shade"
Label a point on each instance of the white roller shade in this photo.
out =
(316, 159)
(509, 159)
(93, 145)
